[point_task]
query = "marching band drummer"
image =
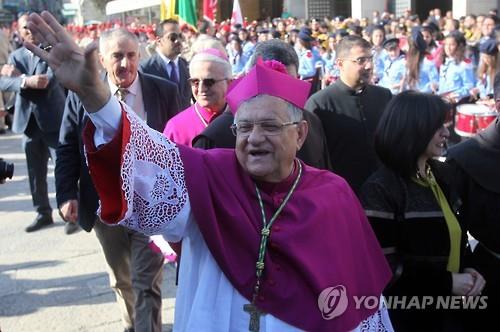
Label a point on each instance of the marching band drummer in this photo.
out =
(486, 71)
(456, 75)
(394, 66)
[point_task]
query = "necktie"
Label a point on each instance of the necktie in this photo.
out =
(173, 72)
(122, 93)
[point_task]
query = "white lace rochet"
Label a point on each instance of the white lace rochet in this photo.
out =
(152, 177)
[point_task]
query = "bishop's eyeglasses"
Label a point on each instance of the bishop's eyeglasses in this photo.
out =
(268, 128)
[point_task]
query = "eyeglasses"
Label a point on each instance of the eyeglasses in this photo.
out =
(207, 82)
(362, 60)
(269, 128)
(173, 36)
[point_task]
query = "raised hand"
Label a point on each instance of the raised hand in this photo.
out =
(76, 69)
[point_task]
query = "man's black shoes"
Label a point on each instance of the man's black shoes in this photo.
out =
(39, 222)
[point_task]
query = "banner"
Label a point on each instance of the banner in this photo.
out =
(236, 17)
(209, 10)
(167, 9)
(188, 12)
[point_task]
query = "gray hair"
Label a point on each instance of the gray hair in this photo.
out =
(294, 113)
(206, 57)
(114, 34)
(275, 49)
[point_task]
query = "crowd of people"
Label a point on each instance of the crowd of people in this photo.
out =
(279, 158)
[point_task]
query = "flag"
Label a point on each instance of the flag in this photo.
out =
(236, 17)
(167, 9)
(188, 12)
(209, 10)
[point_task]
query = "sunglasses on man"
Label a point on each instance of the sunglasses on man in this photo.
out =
(207, 82)
(174, 36)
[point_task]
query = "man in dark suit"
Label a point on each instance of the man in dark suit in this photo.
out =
(167, 63)
(350, 110)
(39, 107)
(135, 270)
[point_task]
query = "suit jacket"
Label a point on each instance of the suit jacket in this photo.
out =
(155, 66)
(47, 105)
(72, 175)
(314, 152)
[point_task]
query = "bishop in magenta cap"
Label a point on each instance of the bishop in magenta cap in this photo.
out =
(318, 251)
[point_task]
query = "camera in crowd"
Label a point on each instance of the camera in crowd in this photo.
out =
(6, 170)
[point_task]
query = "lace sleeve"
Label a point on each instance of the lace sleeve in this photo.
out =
(378, 322)
(152, 178)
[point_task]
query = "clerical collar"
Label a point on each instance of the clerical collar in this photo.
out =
(280, 187)
(205, 115)
(347, 88)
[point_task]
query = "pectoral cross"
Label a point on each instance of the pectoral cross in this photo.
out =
(255, 314)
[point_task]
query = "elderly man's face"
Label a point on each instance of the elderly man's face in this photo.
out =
(268, 156)
(120, 59)
(212, 96)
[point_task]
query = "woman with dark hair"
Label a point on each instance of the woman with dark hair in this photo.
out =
(428, 35)
(421, 72)
(412, 209)
(456, 76)
(434, 47)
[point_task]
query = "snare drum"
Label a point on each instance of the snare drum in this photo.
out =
(472, 118)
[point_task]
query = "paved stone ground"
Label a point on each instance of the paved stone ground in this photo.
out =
(50, 281)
